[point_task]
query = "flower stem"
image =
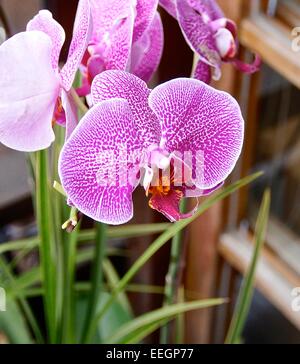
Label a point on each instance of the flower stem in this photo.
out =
(46, 247)
(172, 275)
(97, 283)
(81, 106)
(69, 255)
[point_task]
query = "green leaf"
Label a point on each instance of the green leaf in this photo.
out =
(171, 277)
(7, 278)
(12, 323)
(113, 280)
(86, 236)
(247, 289)
(47, 256)
(19, 245)
(97, 282)
(114, 318)
(126, 232)
(126, 332)
(69, 270)
(169, 234)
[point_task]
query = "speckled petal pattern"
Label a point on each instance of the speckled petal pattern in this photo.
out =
(145, 11)
(197, 118)
(208, 8)
(45, 23)
(107, 14)
(197, 33)
(169, 6)
(71, 112)
(111, 84)
(117, 53)
(81, 36)
(147, 51)
(203, 72)
(90, 169)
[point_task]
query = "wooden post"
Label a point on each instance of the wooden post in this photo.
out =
(202, 254)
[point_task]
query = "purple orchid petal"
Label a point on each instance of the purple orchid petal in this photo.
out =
(30, 88)
(107, 14)
(85, 88)
(198, 34)
(198, 192)
(203, 72)
(147, 51)
(207, 8)
(200, 120)
(145, 12)
(246, 67)
(44, 22)
(95, 65)
(167, 204)
(117, 54)
(89, 166)
(71, 112)
(81, 37)
(169, 6)
(120, 84)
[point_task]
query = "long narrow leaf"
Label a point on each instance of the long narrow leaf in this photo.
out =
(46, 246)
(169, 234)
(171, 277)
(116, 232)
(113, 280)
(166, 313)
(97, 283)
(246, 292)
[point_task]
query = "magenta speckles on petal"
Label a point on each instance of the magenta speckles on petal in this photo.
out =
(71, 112)
(208, 8)
(182, 126)
(197, 118)
(45, 23)
(107, 14)
(169, 6)
(107, 130)
(118, 48)
(120, 84)
(147, 51)
(203, 72)
(145, 11)
(198, 33)
(81, 36)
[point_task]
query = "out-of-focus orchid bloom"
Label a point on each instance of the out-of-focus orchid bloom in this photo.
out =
(181, 139)
(35, 92)
(210, 35)
(127, 35)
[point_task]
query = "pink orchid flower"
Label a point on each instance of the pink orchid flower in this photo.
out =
(134, 134)
(127, 35)
(210, 35)
(35, 92)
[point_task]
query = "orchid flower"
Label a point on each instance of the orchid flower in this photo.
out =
(127, 35)
(35, 92)
(210, 35)
(134, 135)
